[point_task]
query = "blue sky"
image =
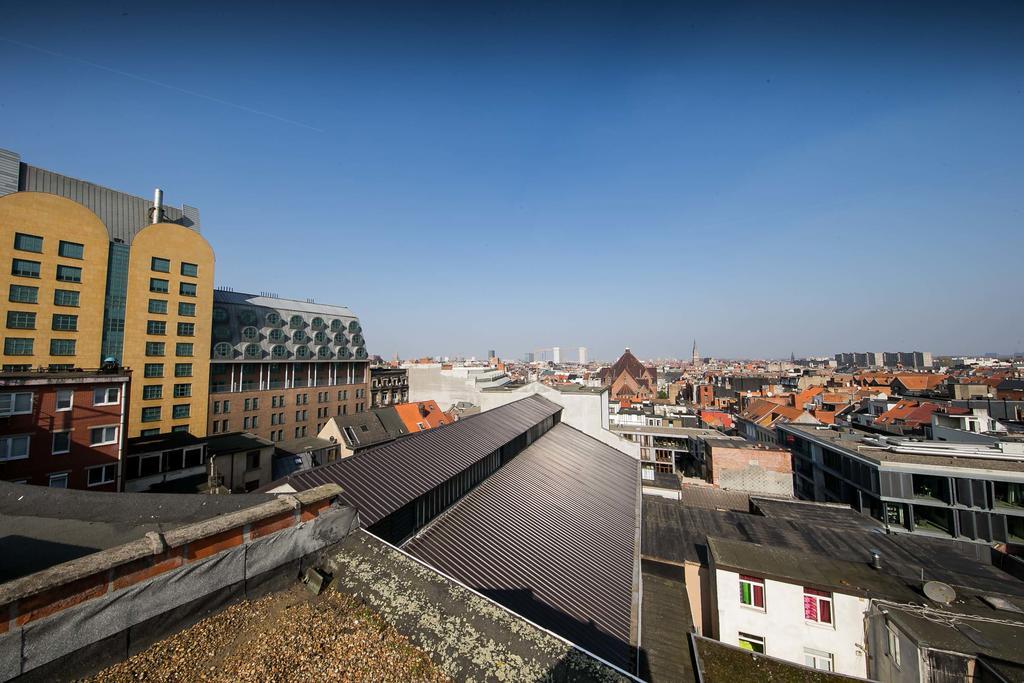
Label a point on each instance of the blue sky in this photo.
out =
(811, 178)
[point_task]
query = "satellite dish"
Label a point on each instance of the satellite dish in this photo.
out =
(939, 592)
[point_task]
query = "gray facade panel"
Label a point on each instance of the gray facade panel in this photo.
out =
(10, 170)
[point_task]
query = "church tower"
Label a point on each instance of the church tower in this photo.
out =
(696, 354)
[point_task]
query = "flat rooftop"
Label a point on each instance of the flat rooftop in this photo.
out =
(692, 432)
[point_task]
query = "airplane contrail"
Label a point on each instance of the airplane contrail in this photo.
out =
(168, 86)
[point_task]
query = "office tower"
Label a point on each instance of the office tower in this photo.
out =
(583, 355)
(556, 355)
(528, 357)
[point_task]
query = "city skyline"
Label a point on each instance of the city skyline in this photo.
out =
(510, 156)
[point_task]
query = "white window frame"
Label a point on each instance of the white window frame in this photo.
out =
(103, 470)
(106, 401)
(5, 447)
(893, 645)
(764, 593)
(9, 403)
(104, 427)
(831, 609)
(751, 638)
(58, 475)
(812, 658)
(53, 443)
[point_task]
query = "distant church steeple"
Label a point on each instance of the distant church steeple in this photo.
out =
(696, 354)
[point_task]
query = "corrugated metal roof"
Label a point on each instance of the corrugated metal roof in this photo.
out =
(552, 536)
(221, 296)
(383, 479)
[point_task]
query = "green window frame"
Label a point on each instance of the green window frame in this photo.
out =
(184, 349)
(187, 289)
(159, 285)
(186, 309)
(181, 411)
(160, 265)
(65, 322)
(182, 369)
(24, 268)
(18, 346)
(186, 329)
(153, 370)
(152, 391)
(154, 348)
(21, 320)
(151, 414)
(25, 242)
(66, 297)
(69, 273)
(189, 269)
(182, 391)
(158, 306)
(71, 250)
(23, 294)
(156, 327)
(62, 347)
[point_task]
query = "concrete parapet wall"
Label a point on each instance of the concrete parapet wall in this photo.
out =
(115, 599)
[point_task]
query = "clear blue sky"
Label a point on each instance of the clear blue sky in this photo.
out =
(811, 178)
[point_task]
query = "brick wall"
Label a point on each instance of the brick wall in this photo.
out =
(752, 469)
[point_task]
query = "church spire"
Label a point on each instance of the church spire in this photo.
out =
(696, 354)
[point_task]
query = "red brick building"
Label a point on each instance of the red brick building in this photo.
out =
(630, 380)
(63, 429)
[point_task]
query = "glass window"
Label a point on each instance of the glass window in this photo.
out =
(751, 642)
(186, 329)
(816, 659)
(154, 348)
(179, 428)
(23, 268)
(189, 270)
(65, 297)
(61, 442)
(182, 390)
(106, 396)
(296, 321)
(185, 370)
(278, 351)
(301, 352)
(161, 265)
(14, 447)
(59, 481)
(893, 645)
(152, 391)
(149, 432)
(158, 306)
(222, 350)
(66, 323)
(273, 318)
(817, 606)
(65, 399)
(183, 349)
(317, 323)
(153, 370)
(752, 591)
(104, 474)
(71, 249)
(23, 242)
(187, 289)
(102, 436)
(69, 273)
(159, 286)
(156, 327)
(252, 351)
(181, 410)
(151, 414)
(62, 347)
(19, 403)
(186, 309)
(22, 294)
(21, 320)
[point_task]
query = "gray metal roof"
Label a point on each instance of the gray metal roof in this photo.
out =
(380, 480)
(223, 296)
(552, 536)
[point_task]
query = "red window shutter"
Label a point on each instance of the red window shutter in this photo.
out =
(810, 608)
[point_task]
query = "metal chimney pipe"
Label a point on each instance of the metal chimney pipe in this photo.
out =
(158, 205)
(876, 559)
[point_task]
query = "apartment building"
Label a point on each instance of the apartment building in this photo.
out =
(63, 428)
(281, 368)
(95, 275)
(388, 386)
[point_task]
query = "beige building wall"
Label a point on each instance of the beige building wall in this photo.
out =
(178, 245)
(54, 219)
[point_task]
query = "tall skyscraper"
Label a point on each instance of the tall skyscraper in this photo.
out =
(528, 356)
(696, 354)
(556, 355)
(583, 355)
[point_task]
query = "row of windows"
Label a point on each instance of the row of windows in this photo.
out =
(24, 294)
(34, 243)
(226, 350)
(184, 349)
(249, 317)
(26, 320)
(815, 659)
(817, 603)
(20, 402)
(159, 327)
(23, 268)
(25, 346)
(158, 286)
(179, 411)
(152, 370)
(156, 391)
(162, 265)
(185, 308)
